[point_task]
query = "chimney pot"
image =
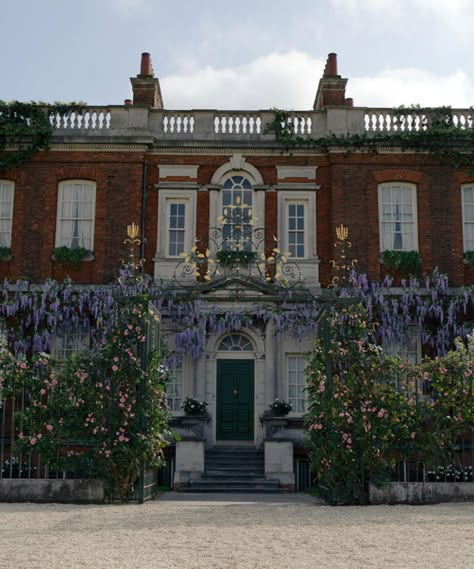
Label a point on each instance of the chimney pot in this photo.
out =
(128, 102)
(349, 102)
(146, 67)
(331, 65)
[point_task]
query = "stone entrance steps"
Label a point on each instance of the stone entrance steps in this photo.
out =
(234, 470)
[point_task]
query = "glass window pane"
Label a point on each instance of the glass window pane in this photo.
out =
(76, 209)
(296, 382)
(397, 223)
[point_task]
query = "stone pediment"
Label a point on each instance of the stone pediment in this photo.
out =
(238, 287)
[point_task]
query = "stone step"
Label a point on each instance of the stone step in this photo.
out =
(233, 490)
(233, 456)
(234, 470)
(217, 475)
(249, 464)
(229, 472)
(243, 450)
(233, 484)
(234, 481)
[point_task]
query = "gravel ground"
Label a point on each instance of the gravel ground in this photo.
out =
(243, 532)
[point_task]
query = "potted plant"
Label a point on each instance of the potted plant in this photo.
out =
(280, 408)
(194, 408)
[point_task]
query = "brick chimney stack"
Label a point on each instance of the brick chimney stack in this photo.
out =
(332, 87)
(145, 86)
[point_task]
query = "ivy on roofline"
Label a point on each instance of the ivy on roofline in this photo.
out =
(437, 135)
(28, 128)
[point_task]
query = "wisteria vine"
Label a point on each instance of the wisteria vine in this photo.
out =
(34, 314)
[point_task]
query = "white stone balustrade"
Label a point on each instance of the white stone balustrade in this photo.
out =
(412, 120)
(88, 118)
(246, 126)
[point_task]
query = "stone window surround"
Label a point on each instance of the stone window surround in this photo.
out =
(63, 184)
(8, 184)
(413, 188)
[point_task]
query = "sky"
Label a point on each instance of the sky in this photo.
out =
(250, 54)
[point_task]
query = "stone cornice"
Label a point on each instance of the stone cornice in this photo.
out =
(177, 185)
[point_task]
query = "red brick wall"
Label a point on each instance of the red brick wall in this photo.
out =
(348, 195)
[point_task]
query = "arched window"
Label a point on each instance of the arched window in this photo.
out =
(237, 213)
(235, 343)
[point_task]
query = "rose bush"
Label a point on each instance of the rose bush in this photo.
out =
(368, 410)
(105, 411)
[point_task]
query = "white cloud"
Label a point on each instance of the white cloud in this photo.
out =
(396, 87)
(455, 16)
(275, 80)
(127, 7)
(290, 81)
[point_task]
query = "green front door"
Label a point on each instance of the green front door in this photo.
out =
(235, 394)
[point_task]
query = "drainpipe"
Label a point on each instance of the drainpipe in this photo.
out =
(144, 201)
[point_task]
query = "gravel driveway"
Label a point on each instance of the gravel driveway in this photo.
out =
(224, 531)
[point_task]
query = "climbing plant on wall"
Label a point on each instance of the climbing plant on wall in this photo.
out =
(437, 135)
(28, 127)
(33, 313)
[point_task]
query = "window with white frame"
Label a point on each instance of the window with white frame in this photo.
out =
(296, 228)
(467, 194)
(174, 387)
(6, 212)
(67, 344)
(3, 334)
(297, 233)
(296, 383)
(398, 217)
(176, 227)
(76, 214)
(408, 348)
(237, 213)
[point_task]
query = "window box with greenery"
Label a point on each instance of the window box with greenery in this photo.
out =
(70, 255)
(5, 253)
(403, 262)
(233, 257)
(469, 259)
